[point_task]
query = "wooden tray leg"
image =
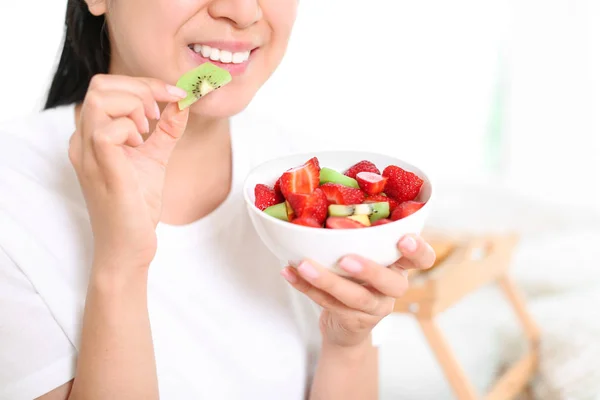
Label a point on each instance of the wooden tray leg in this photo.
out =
(454, 373)
(516, 299)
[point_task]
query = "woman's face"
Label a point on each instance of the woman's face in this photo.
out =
(165, 38)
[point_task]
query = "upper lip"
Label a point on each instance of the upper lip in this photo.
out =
(234, 47)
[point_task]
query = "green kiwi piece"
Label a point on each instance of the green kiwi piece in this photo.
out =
(375, 211)
(329, 175)
(338, 210)
(380, 211)
(278, 211)
(201, 81)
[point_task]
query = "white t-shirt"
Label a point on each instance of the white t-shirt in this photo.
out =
(225, 324)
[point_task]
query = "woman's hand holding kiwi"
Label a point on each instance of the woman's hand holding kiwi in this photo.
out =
(122, 175)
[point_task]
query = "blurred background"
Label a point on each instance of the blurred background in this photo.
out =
(498, 99)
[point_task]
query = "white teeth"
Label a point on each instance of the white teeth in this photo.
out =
(224, 56)
(215, 54)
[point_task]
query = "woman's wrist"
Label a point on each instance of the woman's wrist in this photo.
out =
(356, 353)
(113, 274)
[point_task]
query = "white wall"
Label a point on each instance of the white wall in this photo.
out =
(418, 78)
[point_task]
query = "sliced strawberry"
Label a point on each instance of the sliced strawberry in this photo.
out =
(401, 185)
(405, 209)
(340, 194)
(342, 223)
(303, 179)
(362, 166)
(378, 198)
(312, 205)
(370, 182)
(265, 197)
(307, 221)
(382, 222)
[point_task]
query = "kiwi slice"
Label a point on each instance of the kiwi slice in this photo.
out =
(201, 81)
(380, 211)
(374, 211)
(329, 175)
(338, 210)
(278, 211)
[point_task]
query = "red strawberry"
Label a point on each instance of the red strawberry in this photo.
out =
(370, 182)
(303, 179)
(340, 194)
(378, 198)
(382, 222)
(343, 223)
(312, 205)
(307, 221)
(401, 185)
(363, 166)
(277, 188)
(405, 209)
(265, 197)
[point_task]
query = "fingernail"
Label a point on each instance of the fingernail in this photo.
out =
(308, 271)
(157, 111)
(409, 244)
(146, 125)
(351, 265)
(289, 276)
(175, 91)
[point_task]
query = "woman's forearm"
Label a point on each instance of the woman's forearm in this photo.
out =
(116, 359)
(346, 373)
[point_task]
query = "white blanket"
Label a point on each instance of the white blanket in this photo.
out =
(556, 265)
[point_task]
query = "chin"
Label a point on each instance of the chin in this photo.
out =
(223, 103)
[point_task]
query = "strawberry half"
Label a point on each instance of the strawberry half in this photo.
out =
(307, 221)
(302, 180)
(277, 188)
(378, 198)
(401, 185)
(265, 197)
(362, 166)
(405, 209)
(312, 205)
(340, 194)
(370, 182)
(343, 223)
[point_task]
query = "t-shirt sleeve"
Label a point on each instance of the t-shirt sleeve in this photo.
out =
(35, 354)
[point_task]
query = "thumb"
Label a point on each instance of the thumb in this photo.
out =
(169, 130)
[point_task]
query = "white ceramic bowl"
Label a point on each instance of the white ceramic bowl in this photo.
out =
(292, 243)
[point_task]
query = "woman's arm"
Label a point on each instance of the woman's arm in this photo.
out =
(347, 373)
(116, 360)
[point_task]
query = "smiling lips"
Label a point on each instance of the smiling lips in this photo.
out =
(219, 55)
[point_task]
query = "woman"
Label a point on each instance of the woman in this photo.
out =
(128, 267)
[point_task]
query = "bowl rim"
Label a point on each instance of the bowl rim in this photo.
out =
(302, 228)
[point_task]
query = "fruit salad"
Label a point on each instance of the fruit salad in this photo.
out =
(360, 197)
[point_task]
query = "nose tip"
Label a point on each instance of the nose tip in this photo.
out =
(241, 13)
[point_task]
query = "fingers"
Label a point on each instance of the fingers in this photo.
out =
(101, 108)
(169, 130)
(391, 282)
(351, 294)
(323, 299)
(416, 253)
(108, 144)
(150, 91)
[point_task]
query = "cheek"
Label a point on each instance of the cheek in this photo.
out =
(280, 15)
